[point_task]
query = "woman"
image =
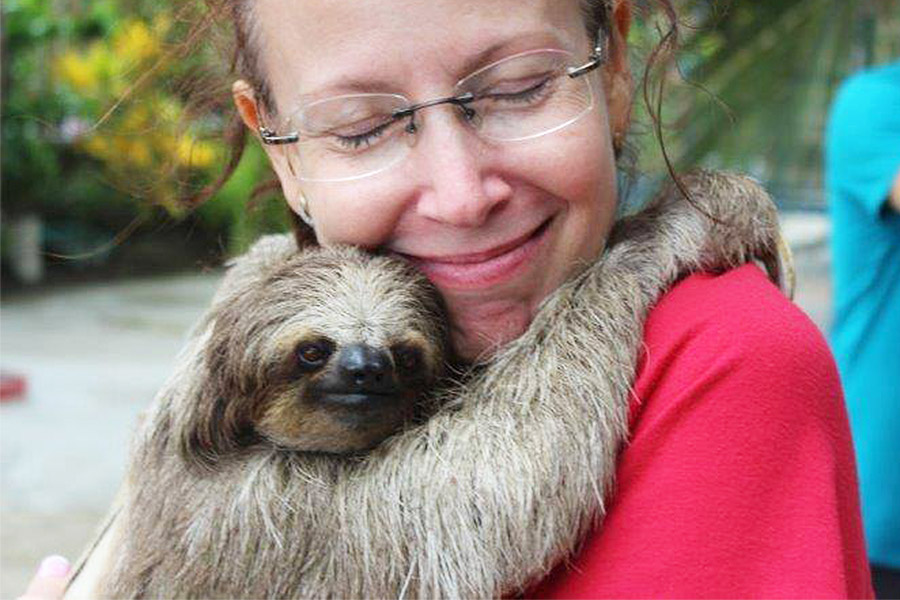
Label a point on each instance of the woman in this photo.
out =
(738, 479)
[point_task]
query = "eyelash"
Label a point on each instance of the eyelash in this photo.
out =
(525, 95)
(354, 142)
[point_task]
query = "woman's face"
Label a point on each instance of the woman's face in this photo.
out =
(495, 226)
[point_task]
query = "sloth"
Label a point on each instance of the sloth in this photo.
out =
(310, 443)
(331, 351)
(322, 352)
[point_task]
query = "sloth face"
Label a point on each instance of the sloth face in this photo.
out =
(331, 352)
(345, 397)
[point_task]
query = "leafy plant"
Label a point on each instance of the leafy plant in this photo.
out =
(95, 125)
(758, 78)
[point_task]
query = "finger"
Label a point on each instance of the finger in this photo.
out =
(50, 581)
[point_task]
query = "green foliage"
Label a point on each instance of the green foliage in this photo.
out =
(41, 172)
(758, 78)
(96, 130)
(245, 220)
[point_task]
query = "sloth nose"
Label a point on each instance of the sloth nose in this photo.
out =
(366, 369)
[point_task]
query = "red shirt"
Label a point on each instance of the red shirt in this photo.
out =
(739, 477)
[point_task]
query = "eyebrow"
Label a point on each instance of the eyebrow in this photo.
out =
(375, 83)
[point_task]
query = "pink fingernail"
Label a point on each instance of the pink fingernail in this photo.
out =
(54, 566)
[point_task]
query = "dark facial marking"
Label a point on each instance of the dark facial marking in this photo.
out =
(312, 355)
(408, 359)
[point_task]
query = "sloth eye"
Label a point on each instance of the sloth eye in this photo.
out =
(407, 359)
(312, 355)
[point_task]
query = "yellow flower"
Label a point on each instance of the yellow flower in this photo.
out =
(139, 153)
(134, 42)
(161, 25)
(137, 119)
(74, 70)
(97, 146)
(195, 154)
(100, 60)
(145, 139)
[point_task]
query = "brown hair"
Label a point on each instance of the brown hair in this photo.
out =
(234, 17)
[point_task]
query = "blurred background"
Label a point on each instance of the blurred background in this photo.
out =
(111, 131)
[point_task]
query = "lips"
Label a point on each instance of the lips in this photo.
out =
(359, 401)
(486, 268)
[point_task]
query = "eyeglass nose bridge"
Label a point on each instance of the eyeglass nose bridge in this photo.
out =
(462, 101)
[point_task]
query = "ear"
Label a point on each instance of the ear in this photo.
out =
(617, 80)
(279, 156)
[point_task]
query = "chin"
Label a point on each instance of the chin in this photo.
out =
(477, 339)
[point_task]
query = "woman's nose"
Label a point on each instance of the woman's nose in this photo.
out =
(459, 184)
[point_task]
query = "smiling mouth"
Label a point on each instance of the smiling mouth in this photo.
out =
(486, 268)
(478, 257)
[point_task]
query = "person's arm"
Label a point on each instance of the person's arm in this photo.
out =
(895, 194)
(739, 479)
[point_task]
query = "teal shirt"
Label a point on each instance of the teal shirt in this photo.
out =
(862, 160)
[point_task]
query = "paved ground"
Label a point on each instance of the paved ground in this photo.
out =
(95, 355)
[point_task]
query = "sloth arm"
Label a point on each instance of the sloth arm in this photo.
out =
(739, 478)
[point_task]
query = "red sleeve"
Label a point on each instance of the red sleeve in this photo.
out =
(739, 479)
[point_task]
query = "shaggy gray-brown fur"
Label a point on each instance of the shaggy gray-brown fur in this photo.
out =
(482, 499)
(256, 386)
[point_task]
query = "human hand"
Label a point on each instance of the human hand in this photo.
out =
(49, 583)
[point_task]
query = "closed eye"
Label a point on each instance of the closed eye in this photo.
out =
(532, 92)
(366, 138)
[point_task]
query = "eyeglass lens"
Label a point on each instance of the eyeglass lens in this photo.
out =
(521, 97)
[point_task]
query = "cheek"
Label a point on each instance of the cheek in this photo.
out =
(358, 213)
(577, 168)
(590, 177)
(593, 197)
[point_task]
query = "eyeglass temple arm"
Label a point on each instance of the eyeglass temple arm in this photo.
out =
(270, 138)
(597, 57)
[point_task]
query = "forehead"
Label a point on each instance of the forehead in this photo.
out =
(315, 48)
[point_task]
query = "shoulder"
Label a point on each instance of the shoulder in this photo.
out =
(739, 464)
(859, 87)
(733, 331)
(738, 477)
(861, 150)
(741, 302)
(867, 90)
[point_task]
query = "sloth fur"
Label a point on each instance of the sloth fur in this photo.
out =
(482, 499)
(257, 384)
